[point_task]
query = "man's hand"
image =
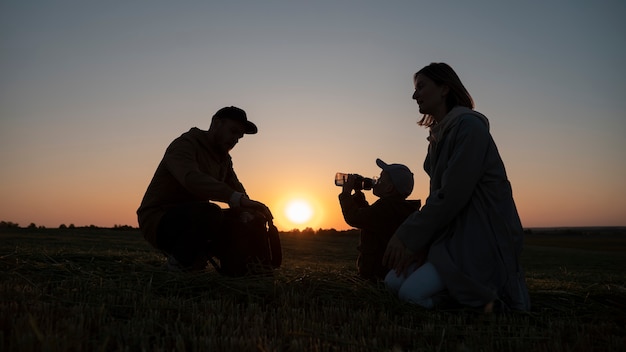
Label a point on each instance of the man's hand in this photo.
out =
(247, 203)
(398, 257)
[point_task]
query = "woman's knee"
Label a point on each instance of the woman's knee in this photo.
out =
(421, 286)
(393, 282)
(408, 294)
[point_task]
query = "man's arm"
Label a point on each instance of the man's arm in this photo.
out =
(180, 160)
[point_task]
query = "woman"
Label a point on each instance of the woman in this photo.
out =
(469, 222)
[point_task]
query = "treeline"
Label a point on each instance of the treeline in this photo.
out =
(32, 226)
(295, 232)
(321, 232)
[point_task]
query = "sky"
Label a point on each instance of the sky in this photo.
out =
(92, 92)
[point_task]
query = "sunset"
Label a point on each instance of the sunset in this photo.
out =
(329, 175)
(93, 93)
(298, 211)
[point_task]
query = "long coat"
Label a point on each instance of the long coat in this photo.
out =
(469, 219)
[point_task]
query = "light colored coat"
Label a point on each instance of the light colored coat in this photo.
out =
(469, 220)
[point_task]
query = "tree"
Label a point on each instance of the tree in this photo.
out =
(62, 226)
(8, 225)
(328, 232)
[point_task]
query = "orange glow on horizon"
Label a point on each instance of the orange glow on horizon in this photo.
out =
(116, 197)
(298, 211)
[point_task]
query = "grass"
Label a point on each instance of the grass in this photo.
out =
(106, 290)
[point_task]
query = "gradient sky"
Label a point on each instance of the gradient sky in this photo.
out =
(92, 92)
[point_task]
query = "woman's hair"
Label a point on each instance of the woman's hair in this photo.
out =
(442, 74)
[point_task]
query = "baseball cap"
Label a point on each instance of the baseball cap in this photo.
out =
(401, 176)
(236, 114)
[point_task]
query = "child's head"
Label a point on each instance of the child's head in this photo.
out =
(395, 179)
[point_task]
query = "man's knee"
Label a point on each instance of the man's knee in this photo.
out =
(188, 227)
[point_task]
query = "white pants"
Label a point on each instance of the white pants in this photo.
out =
(418, 287)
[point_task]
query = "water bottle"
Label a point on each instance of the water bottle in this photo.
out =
(364, 183)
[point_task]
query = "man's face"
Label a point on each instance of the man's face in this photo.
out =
(227, 134)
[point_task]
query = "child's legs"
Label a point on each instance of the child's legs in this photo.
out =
(370, 266)
(421, 286)
(370, 261)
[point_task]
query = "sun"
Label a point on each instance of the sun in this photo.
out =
(298, 211)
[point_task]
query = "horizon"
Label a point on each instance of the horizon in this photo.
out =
(93, 93)
(33, 226)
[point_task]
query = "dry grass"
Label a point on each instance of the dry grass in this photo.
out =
(89, 290)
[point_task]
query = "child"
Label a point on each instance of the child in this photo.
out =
(378, 221)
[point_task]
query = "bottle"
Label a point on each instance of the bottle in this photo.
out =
(364, 183)
(341, 178)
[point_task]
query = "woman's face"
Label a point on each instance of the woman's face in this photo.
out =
(430, 97)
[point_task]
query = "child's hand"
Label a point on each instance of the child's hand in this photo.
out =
(348, 185)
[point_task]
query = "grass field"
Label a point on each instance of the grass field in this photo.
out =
(106, 290)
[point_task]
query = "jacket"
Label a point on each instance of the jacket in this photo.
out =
(377, 223)
(469, 219)
(191, 171)
(381, 218)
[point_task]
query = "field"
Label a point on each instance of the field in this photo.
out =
(107, 290)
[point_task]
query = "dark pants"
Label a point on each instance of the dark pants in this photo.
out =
(372, 248)
(186, 232)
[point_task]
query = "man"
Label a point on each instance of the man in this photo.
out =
(380, 220)
(176, 215)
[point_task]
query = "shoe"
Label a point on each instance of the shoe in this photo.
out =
(173, 265)
(496, 306)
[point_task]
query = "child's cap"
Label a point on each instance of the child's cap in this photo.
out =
(401, 176)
